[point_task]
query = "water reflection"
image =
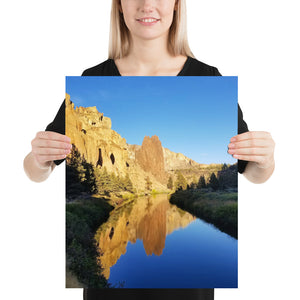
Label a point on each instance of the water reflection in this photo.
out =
(149, 219)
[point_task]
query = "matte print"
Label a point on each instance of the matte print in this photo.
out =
(151, 192)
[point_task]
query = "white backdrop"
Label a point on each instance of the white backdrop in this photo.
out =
(42, 42)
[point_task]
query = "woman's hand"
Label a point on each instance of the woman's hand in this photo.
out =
(256, 147)
(48, 146)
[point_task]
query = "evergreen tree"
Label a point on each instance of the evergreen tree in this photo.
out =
(80, 175)
(224, 167)
(128, 186)
(73, 158)
(221, 182)
(114, 182)
(201, 183)
(213, 182)
(228, 178)
(193, 184)
(103, 181)
(90, 179)
(170, 183)
(181, 183)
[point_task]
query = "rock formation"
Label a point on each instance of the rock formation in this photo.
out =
(90, 131)
(175, 161)
(151, 157)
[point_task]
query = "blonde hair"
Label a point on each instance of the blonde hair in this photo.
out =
(119, 37)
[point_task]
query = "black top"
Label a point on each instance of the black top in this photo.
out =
(192, 67)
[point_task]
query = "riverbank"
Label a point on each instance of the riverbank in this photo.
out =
(216, 207)
(117, 199)
(83, 217)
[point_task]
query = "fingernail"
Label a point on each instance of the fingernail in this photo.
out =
(231, 151)
(231, 145)
(233, 139)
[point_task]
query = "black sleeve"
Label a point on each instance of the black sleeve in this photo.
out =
(215, 72)
(242, 127)
(58, 125)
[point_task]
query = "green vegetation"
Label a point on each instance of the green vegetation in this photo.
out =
(80, 177)
(201, 183)
(107, 184)
(224, 178)
(228, 177)
(83, 217)
(84, 178)
(128, 196)
(205, 171)
(155, 192)
(181, 183)
(216, 207)
(193, 184)
(213, 182)
(213, 198)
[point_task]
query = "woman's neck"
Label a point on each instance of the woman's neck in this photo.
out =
(149, 58)
(149, 54)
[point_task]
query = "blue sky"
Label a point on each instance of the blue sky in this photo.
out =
(195, 116)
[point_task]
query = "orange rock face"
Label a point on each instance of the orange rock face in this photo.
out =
(151, 157)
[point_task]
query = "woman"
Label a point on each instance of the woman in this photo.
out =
(148, 38)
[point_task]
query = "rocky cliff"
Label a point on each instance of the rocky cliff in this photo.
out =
(150, 157)
(90, 131)
(174, 161)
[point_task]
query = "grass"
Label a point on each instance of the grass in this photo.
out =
(83, 217)
(218, 208)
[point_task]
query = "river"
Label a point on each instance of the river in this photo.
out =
(150, 243)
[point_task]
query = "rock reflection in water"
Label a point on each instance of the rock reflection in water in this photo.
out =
(149, 219)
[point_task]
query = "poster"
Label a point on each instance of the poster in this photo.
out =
(151, 193)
